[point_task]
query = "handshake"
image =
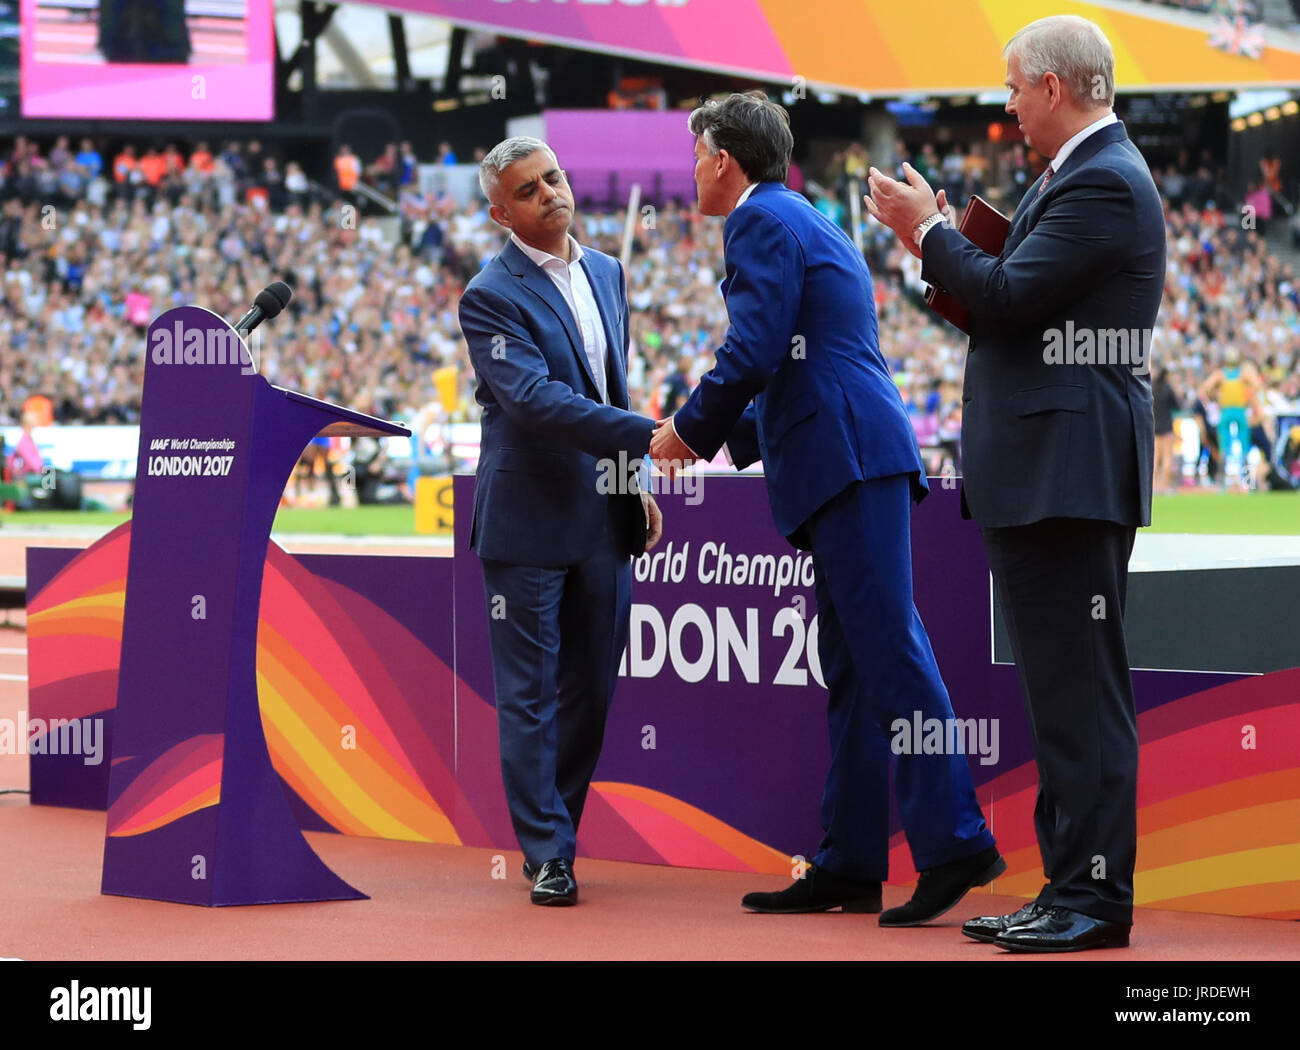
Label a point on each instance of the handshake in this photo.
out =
(672, 456)
(668, 452)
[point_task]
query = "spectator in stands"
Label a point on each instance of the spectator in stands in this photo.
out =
(1019, 178)
(347, 169)
(201, 160)
(1260, 204)
(1165, 402)
(383, 171)
(26, 459)
(173, 161)
(445, 154)
(927, 162)
(273, 182)
(89, 159)
(676, 388)
(794, 178)
(153, 166)
(64, 327)
(408, 166)
(124, 169)
(295, 184)
(60, 154)
(856, 162)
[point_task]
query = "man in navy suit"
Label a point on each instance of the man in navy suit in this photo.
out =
(1057, 448)
(801, 384)
(558, 513)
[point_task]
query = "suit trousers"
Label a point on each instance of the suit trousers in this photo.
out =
(556, 638)
(878, 666)
(1062, 584)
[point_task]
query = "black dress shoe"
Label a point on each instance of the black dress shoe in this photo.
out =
(987, 927)
(554, 883)
(1062, 930)
(818, 890)
(528, 871)
(938, 889)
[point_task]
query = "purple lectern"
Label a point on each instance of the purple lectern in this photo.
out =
(196, 812)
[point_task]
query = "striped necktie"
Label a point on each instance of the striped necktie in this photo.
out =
(1047, 177)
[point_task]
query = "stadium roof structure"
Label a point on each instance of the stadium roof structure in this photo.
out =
(883, 47)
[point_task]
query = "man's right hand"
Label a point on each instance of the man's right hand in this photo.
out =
(668, 452)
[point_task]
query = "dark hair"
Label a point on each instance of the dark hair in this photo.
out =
(752, 128)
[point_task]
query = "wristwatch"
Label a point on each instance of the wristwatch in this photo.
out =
(921, 230)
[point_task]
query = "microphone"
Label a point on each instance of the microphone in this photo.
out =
(269, 302)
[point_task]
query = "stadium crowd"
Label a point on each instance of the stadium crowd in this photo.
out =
(95, 247)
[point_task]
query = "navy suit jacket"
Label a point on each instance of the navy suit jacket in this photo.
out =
(802, 346)
(553, 456)
(1085, 260)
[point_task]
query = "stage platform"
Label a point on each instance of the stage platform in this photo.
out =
(441, 902)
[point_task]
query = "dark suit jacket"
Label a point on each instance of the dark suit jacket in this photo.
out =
(552, 453)
(1039, 439)
(802, 346)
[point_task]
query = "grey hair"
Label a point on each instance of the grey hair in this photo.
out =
(1073, 48)
(502, 155)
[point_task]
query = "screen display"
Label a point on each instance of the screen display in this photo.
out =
(147, 59)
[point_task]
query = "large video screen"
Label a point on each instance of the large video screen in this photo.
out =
(147, 59)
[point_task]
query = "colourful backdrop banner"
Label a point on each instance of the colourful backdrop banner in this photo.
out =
(874, 46)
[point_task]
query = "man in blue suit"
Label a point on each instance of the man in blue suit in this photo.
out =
(1057, 447)
(558, 513)
(801, 384)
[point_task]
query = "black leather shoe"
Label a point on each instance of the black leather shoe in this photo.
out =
(554, 883)
(938, 889)
(528, 871)
(818, 890)
(987, 927)
(1062, 930)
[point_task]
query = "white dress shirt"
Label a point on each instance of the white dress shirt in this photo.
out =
(1072, 143)
(571, 280)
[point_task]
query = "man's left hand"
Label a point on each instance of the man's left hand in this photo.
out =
(668, 452)
(654, 521)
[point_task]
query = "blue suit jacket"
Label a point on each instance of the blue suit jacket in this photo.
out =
(543, 496)
(802, 346)
(1086, 259)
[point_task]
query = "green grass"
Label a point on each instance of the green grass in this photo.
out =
(1231, 513)
(349, 521)
(1255, 513)
(22, 519)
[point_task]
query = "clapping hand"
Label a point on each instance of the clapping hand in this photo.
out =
(903, 206)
